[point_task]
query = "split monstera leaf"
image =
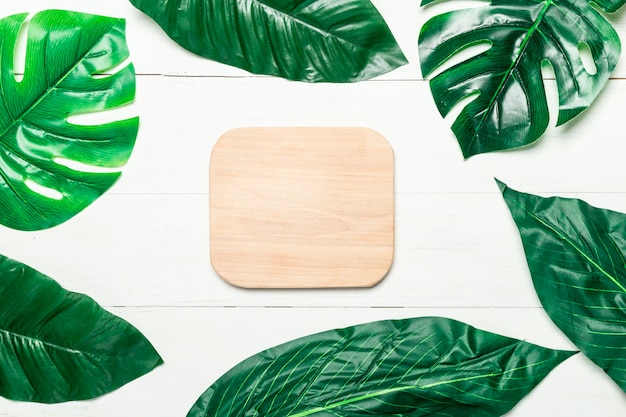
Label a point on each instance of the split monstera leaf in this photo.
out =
(51, 169)
(509, 108)
(58, 346)
(428, 366)
(577, 258)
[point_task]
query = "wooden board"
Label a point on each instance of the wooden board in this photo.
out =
(301, 207)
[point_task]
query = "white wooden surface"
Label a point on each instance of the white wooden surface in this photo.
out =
(142, 250)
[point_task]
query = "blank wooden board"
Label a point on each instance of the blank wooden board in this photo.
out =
(302, 207)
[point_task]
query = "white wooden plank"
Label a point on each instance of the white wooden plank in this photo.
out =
(154, 53)
(200, 344)
(181, 118)
(453, 250)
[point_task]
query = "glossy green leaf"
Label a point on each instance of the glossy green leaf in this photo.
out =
(577, 258)
(428, 366)
(509, 107)
(51, 169)
(305, 40)
(57, 345)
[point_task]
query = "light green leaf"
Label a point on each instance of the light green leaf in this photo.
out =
(65, 54)
(510, 109)
(576, 254)
(427, 366)
(305, 40)
(57, 345)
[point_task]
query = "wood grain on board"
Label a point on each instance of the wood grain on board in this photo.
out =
(301, 207)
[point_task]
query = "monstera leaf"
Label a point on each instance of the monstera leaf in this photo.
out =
(57, 345)
(305, 40)
(51, 169)
(510, 108)
(427, 366)
(576, 254)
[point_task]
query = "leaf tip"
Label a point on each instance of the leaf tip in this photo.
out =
(159, 361)
(502, 186)
(563, 355)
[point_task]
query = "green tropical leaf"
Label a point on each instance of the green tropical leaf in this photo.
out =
(305, 40)
(428, 366)
(577, 258)
(57, 345)
(49, 167)
(510, 107)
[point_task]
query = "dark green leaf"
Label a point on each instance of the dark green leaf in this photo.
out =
(305, 40)
(510, 109)
(64, 52)
(576, 255)
(427, 366)
(57, 345)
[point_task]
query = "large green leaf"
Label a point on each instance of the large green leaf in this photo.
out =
(306, 40)
(510, 109)
(427, 366)
(577, 258)
(57, 345)
(65, 53)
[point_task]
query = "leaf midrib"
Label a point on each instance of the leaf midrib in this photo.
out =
(65, 349)
(49, 89)
(509, 71)
(410, 387)
(577, 249)
(31, 107)
(308, 25)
